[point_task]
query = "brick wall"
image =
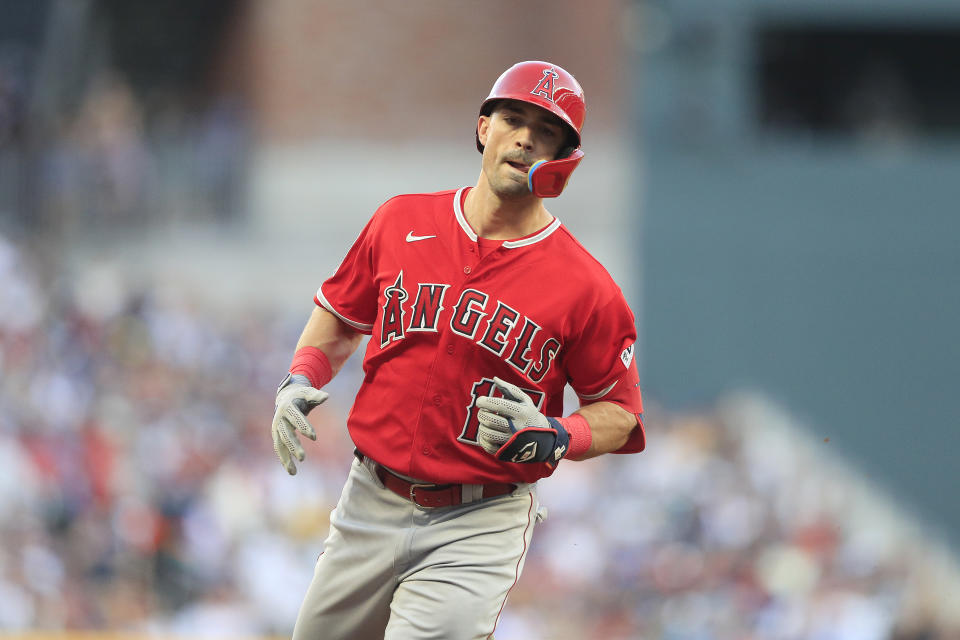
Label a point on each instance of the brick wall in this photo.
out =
(403, 71)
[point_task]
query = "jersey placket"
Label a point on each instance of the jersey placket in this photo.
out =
(433, 424)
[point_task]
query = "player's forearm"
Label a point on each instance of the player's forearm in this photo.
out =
(334, 338)
(610, 427)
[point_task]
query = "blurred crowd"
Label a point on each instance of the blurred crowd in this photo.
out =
(139, 491)
(114, 160)
(138, 488)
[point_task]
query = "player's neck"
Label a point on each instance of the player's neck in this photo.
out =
(497, 218)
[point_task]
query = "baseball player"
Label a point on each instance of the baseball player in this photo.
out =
(481, 307)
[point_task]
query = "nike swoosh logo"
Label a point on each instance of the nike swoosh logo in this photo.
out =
(413, 238)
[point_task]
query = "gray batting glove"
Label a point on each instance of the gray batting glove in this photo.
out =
(513, 429)
(295, 399)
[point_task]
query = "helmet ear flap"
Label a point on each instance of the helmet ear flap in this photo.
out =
(547, 178)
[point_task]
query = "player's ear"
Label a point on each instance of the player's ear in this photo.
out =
(483, 129)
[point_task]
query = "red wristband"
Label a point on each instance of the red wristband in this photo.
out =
(313, 363)
(580, 436)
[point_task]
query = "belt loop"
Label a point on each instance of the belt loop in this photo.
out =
(472, 492)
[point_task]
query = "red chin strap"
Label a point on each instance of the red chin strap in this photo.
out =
(547, 178)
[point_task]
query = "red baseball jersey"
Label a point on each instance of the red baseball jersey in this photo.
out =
(447, 312)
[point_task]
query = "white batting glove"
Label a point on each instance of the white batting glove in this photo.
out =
(513, 429)
(295, 399)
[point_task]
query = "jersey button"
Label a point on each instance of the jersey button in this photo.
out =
(450, 349)
(466, 269)
(426, 451)
(438, 399)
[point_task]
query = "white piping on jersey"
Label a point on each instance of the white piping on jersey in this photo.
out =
(509, 244)
(594, 396)
(467, 229)
(550, 228)
(329, 307)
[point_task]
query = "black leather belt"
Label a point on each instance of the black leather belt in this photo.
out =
(431, 495)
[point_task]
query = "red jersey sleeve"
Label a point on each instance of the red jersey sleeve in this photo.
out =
(351, 293)
(602, 367)
(626, 394)
(603, 350)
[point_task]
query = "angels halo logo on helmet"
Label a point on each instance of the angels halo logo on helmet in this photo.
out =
(549, 87)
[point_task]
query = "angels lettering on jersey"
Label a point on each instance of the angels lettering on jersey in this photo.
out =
(475, 316)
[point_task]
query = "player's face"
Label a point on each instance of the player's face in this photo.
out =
(515, 136)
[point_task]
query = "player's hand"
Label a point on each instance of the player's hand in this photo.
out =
(512, 429)
(295, 399)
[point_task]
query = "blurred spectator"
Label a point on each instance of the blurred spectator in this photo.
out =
(880, 106)
(12, 96)
(13, 99)
(109, 164)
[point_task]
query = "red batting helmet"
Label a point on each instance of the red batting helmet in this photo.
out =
(549, 87)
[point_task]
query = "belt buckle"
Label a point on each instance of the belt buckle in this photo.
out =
(413, 490)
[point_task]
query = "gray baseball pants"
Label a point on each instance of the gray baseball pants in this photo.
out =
(393, 570)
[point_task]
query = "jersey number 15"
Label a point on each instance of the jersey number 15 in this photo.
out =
(485, 387)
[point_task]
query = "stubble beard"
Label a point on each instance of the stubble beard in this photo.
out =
(507, 184)
(507, 189)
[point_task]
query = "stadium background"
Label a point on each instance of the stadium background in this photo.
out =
(769, 181)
